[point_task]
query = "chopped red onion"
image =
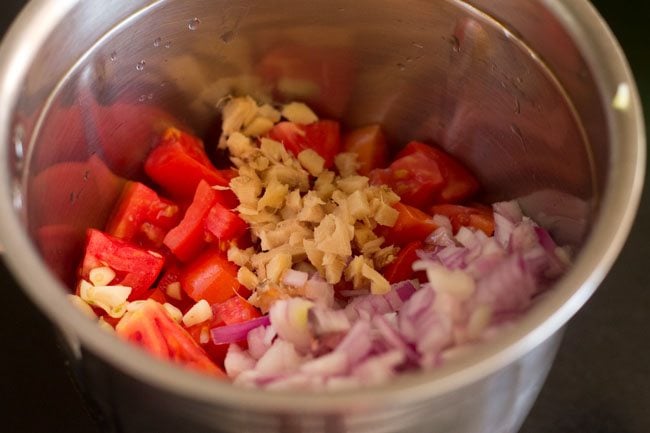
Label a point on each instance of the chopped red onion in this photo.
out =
(509, 210)
(357, 343)
(238, 361)
(280, 358)
(289, 319)
(237, 332)
(324, 321)
(259, 341)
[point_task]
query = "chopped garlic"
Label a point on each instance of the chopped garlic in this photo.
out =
(247, 278)
(82, 306)
(112, 299)
(311, 161)
(173, 290)
(290, 176)
(173, 312)
(199, 313)
(332, 236)
(298, 112)
(334, 266)
(135, 305)
(101, 276)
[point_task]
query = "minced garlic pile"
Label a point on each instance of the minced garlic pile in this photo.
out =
(305, 216)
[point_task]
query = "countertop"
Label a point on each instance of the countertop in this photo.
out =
(600, 382)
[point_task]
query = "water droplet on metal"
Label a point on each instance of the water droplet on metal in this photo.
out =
(142, 98)
(341, 9)
(163, 83)
(156, 42)
(168, 44)
(519, 80)
(72, 197)
(517, 106)
(17, 195)
(150, 96)
(227, 36)
(194, 24)
(113, 56)
(140, 65)
(416, 45)
(19, 149)
(455, 43)
(86, 175)
(401, 66)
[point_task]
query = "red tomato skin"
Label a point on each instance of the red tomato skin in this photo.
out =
(188, 237)
(323, 136)
(423, 175)
(151, 328)
(369, 143)
(235, 310)
(412, 225)
(401, 268)
(460, 183)
(478, 216)
(142, 216)
(224, 224)
(211, 277)
(133, 266)
(179, 162)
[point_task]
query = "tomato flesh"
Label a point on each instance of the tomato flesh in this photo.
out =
(478, 217)
(134, 266)
(151, 328)
(323, 136)
(142, 216)
(211, 277)
(402, 267)
(369, 144)
(179, 162)
(412, 225)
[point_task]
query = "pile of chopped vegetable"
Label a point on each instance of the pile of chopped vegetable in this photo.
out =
(311, 262)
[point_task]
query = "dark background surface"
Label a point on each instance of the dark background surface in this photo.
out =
(600, 382)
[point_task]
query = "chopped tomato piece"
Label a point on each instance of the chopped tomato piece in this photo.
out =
(369, 143)
(134, 267)
(157, 295)
(479, 217)
(179, 163)
(151, 328)
(423, 175)
(415, 178)
(324, 137)
(211, 277)
(187, 238)
(224, 224)
(142, 216)
(412, 225)
(234, 310)
(402, 267)
(460, 184)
